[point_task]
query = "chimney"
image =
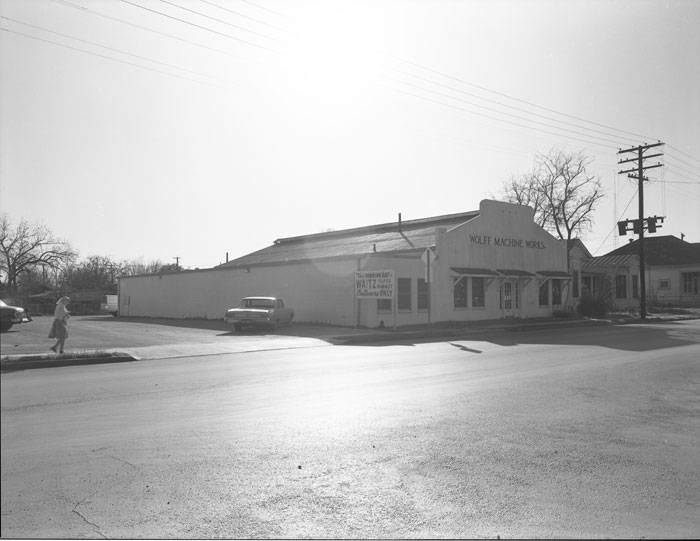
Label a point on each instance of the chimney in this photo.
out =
(399, 222)
(226, 257)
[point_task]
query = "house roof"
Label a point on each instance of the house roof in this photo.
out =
(618, 260)
(414, 236)
(663, 250)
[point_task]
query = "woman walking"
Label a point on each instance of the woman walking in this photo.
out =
(59, 327)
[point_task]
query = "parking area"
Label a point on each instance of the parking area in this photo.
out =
(157, 337)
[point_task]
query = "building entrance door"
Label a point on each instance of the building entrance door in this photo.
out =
(510, 298)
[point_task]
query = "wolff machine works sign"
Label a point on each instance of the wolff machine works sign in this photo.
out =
(374, 284)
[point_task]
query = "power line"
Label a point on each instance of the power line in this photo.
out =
(503, 94)
(216, 19)
(685, 153)
(284, 15)
(86, 10)
(613, 142)
(684, 162)
(505, 105)
(184, 21)
(166, 64)
(497, 119)
(238, 13)
(114, 59)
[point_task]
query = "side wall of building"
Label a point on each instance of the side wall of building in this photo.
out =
(668, 285)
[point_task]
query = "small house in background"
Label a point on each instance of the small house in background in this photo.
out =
(672, 269)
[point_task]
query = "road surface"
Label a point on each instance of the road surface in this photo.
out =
(592, 432)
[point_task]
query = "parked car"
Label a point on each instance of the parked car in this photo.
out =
(9, 315)
(259, 312)
(110, 304)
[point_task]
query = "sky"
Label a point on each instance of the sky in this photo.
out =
(155, 129)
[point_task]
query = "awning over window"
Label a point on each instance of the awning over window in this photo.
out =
(553, 274)
(470, 271)
(514, 272)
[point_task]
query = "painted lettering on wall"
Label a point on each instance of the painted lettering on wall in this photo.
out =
(508, 242)
(374, 284)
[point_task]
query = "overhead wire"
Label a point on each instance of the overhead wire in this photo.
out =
(202, 27)
(243, 15)
(683, 152)
(107, 57)
(90, 11)
(113, 49)
(618, 219)
(216, 19)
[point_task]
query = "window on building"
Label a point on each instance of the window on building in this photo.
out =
(664, 283)
(422, 294)
(635, 286)
(620, 286)
(586, 285)
(404, 294)
(544, 294)
(556, 292)
(690, 282)
(384, 305)
(460, 292)
(478, 297)
(575, 285)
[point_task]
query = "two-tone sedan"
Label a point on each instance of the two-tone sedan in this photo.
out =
(269, 312)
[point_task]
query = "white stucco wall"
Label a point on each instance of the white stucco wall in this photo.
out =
(673, 294)
(503, 236)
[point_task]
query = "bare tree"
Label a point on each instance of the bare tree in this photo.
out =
(26, 247)
(560, 189)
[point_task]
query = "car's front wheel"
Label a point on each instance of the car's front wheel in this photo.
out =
(5, 326)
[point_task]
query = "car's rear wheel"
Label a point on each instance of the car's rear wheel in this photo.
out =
(237, 327)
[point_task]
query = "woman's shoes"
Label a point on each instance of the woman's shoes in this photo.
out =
(54, 349)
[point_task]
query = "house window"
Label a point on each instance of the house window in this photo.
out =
(404, 300)
(383, 305)
(586, 284)
(460, 292)
(575, 285)
(690, 282)
(620, 286)
(544, 294)
(664, 283)
(478, 298)
(635, 286)
(556, 292)
(422, 294)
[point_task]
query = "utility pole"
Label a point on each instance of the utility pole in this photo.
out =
(640, 224)
(177, 261)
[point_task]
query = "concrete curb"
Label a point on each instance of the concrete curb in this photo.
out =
(400, 335)
(29, 362)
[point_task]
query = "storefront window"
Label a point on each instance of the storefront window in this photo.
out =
(478, 299)
(620, 286)
(404, 300)
(384, 305)
(556, 292)
(422, 294)
(690, 282)
(544, 294)
(460, 292)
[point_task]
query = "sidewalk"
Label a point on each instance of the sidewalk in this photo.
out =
(323, 336)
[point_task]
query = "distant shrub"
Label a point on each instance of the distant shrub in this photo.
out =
(591, 306)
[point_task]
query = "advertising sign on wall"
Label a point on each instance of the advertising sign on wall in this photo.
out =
(378, 284)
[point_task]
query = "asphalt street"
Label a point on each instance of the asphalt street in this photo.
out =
(588, 432)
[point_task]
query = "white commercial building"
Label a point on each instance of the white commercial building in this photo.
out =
(492, 263)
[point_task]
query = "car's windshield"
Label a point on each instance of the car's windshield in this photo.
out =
(258, 303)
(2, 303)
